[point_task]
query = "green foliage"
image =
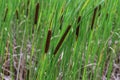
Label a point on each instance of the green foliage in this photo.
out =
(77, 57)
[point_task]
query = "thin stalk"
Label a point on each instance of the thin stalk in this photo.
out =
(93, 18)
(78, 26)
(6, 11)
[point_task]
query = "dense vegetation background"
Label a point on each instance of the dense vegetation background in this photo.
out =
(59, 40)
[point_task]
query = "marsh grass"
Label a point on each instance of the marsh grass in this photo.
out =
(59, 39)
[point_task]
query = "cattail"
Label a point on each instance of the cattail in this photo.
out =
(93, 19)
(61, 22)
(28, 2)
(62, 39)
(5, 14)
(61, 18)
(36, 16)
(77, 29)
(48, 41)
(16, 14)
(36, 13)
(107, 15)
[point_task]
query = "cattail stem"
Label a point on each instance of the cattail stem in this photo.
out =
(93, 19)
(78, 26)
(5, 14)
(48, 41)
(17, 14)
(28, 2)
(61, 18)
(62, 39)
(36, 13)
(61, 21)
